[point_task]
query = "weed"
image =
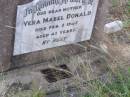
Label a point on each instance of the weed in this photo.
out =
(27, 93)
(38, 93)
(114, 3)
(127, 13)
(119, 86)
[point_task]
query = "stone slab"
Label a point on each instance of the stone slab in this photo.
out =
(8, 9)
(43, 24)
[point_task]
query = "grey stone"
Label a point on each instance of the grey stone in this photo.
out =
(60, 23)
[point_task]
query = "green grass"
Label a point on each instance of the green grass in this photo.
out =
(118, 86)
(114, 3)
(38, 93)
(126, 11)
(29, 93)
(126, 22)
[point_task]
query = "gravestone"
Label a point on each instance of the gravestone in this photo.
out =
(44, 24)
(45, 30)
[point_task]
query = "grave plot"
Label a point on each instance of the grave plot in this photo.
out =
(56, 48)
(70, 75)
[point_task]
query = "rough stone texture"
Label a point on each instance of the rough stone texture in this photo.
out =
(7, 31)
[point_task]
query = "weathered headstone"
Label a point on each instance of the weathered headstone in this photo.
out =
(51, 27)
(44, 24)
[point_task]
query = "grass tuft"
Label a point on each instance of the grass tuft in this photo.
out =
(118, 86)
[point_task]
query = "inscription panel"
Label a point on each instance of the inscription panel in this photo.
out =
(44, 24)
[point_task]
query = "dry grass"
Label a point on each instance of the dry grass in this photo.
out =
(87, 70)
